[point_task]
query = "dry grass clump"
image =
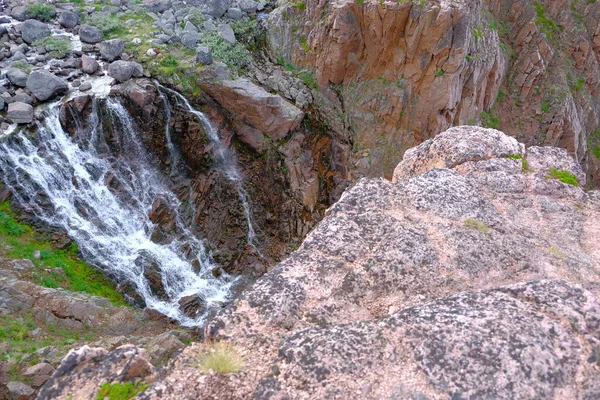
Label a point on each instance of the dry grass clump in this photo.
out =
(221, 357)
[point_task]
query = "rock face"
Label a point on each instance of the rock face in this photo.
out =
(271, 114)
(32, 30)
(401, 72)
(45, 85)
(467, 264)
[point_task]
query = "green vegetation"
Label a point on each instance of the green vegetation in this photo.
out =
(545, 106)
(247, 32)
(299, 5)
(546, 25)
(22, 65)
(221, 358)
(478, 225)
(360, 2)
(120, 391)
(524, 164)
(41, 11)
(54, 267)
(195, 16)
(308, 77)
(236, 56)
(555, 251)
(489, 120)
(57, 48)
(594, 142)
(108, 24)
(478, 34)
(563, 176)
(439, 72)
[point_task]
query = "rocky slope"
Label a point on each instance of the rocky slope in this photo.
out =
(401, 72)
(474, 273)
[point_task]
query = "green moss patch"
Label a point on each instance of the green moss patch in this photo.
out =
(563, 176)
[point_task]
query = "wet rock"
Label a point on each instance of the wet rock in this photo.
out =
(89, 65)
(68, 19)
(90, 34)
(17, 77)
(124, 70)
(110, 50)
(192, 306)
(45, 85)
(33, 30)
(20, 113)
(85, 86)
(19, 391)
(153, 274)
(204, 55)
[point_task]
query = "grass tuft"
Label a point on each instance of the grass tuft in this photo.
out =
(120, 391)
(563, 176)
(476, 224)
(221, 358)
(41, 11)
(57, 48)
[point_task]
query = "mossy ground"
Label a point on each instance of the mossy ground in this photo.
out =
(55, 268)
(120, 391)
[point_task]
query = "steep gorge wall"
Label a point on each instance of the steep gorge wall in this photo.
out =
(398, 73)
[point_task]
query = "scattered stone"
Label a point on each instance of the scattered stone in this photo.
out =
(227, 33)
(189, 27)
(33, 30)
(18, 56)
(204, 55)
(110, 50)
(68, 19)
(19, 390)
(85, 86)
(88, 64)
(124, 70)
(90, 34)
(151, 52)
(209, 26)
(2, 103)
(45, 85)
(19, 13)
(249, 6)
(190, 39)
(39, 373)
(163, 347)
(20, 113)
(23, 98)
(157, 6)
(234, 13)
(214, 8)
(17, 77)
(136, 41)
(76, 83)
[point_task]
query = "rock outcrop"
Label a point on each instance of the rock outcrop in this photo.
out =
(473, 277)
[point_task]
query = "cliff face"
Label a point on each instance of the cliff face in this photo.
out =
(474, 273)
(398, 73)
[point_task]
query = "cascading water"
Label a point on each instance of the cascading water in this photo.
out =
(71, 184)
(222, 156)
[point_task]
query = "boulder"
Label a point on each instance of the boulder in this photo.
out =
(192, 306)
(39, 373)
(68, 19)
(157, 6)
(20, 113)
(17, 77)
(163, 347)
(269, 113)
(45, 85)
(89, 65)
(110, 50)
(190, 39)
(227, 34)
(234, 13)
(19, 391)
(85, 86)
(125, 70)
(204, 55)
(19, 13)
(33, 30)
(90, 34)
(23, 98)
(214, 8)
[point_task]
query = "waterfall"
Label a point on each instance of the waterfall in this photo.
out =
(103, 199)
(222, 156)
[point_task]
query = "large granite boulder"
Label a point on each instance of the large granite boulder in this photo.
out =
(33, 30)
(45, 85)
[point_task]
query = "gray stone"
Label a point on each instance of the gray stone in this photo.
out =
(209, 26)
(23, 98)
(20, 113)
(249, 6)
(2, 103)
(19, 13)
(110, 50)
(18, 56)
(17, 77)
(68, 19)
(33, 30)
(204, 55)
(125, 70)
(90, 34)
(227, 33)
(85, 86)
(45, 85)
(214, 8)
(88, 64)
(189, 27)
(190, 39)
(19, 390)
(234, 13)
(157, 6)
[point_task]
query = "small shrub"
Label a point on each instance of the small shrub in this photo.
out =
(236, 56)
(476, 224)
(41, 11)
(489, 120)
(563, 176)
(107, 24)
(9, 226)
(57, 48)
(546, 104)
(120, 391)
(195, 16)
(308, 77)
(524, 164)
(299, 5)
(221, 358)
(22, 65)
(478, 34)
